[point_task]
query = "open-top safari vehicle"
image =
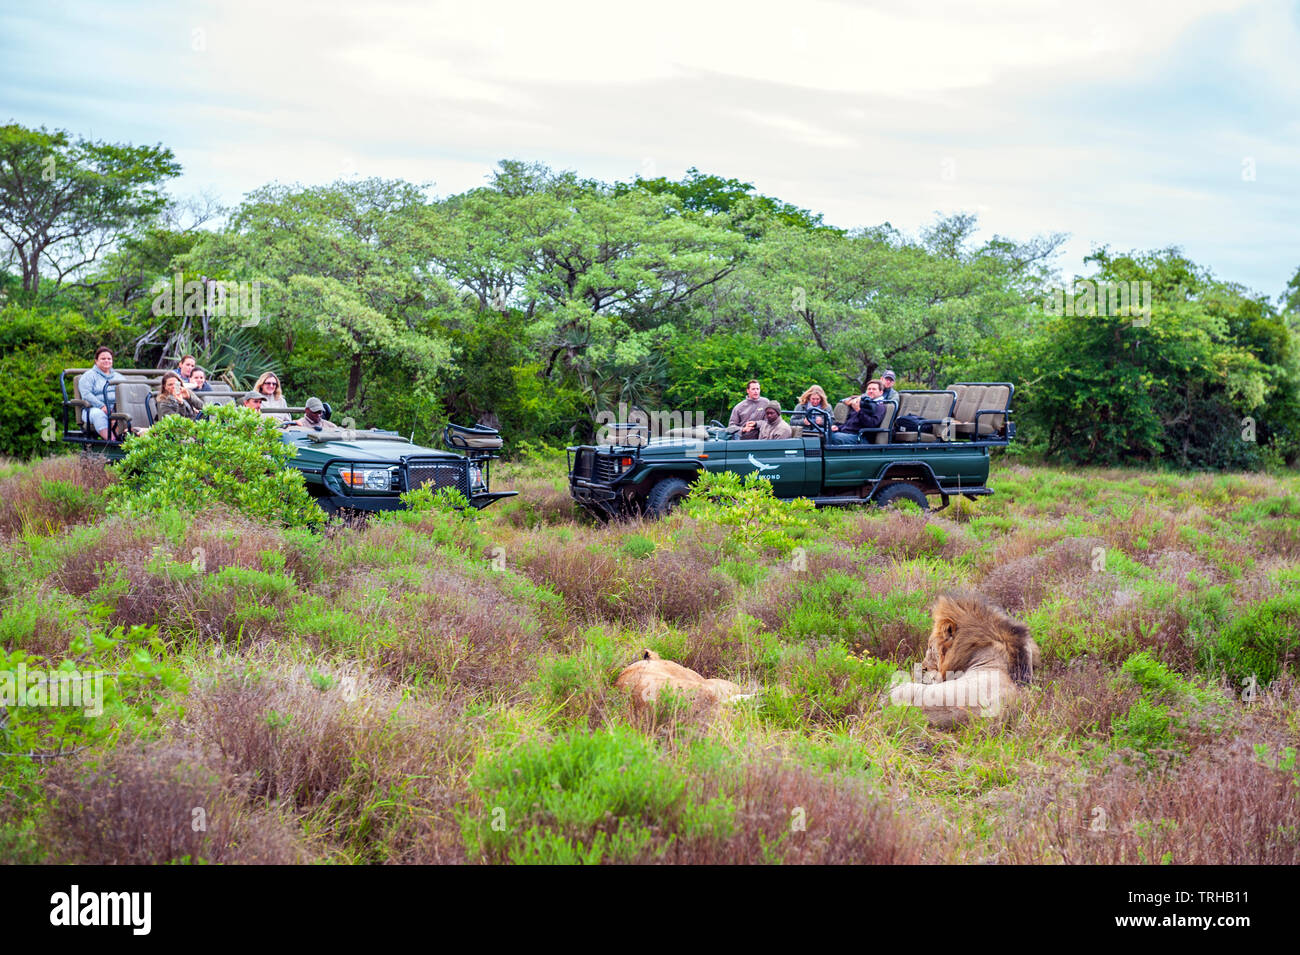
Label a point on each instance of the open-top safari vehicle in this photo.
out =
(929, 444)
(344, 468)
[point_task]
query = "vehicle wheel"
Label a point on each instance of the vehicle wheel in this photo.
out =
(665, 496)
(901, 491)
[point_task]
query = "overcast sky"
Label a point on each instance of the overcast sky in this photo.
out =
(1129, 124)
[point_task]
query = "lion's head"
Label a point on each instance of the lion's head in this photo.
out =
(969, 631)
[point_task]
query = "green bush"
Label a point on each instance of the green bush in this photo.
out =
(584, 797)
(1146, 727)
(708, 374)
(638, 546)
(1159, 682)
(109, 683)
(233, 457)
(35, 346)
(755, 518)
(1256, 642)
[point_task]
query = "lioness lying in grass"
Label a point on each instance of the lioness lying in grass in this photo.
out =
(647, 676)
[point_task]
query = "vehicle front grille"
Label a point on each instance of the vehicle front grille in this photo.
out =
(437, 474)
(606, 468)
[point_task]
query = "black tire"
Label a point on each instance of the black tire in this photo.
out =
(901, 491)
(665, 496)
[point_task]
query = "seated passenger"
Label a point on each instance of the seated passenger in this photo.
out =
(199, 381)
(865, 413)
(887, 391)
(314, 419)
(252, 399)
(773, 428)
(175, 398)
(186, 368)
(814, 398)
(95, 390)
(268, 386)
(747, 415)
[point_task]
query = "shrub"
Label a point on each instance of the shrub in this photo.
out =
(755, 518)
(638, 546)
(375, 772)
(1259, 642)
(595, 584)
(53, 493)
(1226, 809)
(1147, 728)
(106, 683)
(585, 797)
(233, 457)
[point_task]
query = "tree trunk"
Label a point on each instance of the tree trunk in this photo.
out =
(354, 379)
(32, 272)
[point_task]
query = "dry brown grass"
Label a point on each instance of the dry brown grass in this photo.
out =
(541, 501)
(379, 776)
(158, 804)
(597, 585)
(1224, 808)
(130, 545)
(447, 625)
(1021, 584)
(1079, 701)
(228, 539)
(843, 824)
(27, 501)
(899, 535)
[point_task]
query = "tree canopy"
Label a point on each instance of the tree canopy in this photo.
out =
(542, 298)
(64, 201)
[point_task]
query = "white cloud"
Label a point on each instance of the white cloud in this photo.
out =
(1054, 116)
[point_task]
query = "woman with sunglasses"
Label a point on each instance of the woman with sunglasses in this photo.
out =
(268, 386)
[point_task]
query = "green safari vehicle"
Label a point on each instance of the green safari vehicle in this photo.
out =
(930, 444)
(344, 468)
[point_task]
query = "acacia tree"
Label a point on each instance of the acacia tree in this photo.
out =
(348, 298)
(63, 202)
(874, 298)
(592, 271)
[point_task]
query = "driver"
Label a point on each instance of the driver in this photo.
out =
(314, 419)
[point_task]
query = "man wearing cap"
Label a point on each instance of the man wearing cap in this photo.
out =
(887, 380)
(772, 428)
(252, 399)
(314, 417)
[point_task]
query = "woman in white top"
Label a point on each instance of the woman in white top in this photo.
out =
(268, 386)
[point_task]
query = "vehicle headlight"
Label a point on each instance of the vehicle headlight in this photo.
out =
(475, 476)
(369, 479)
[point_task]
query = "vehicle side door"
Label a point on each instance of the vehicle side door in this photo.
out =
(782, 462)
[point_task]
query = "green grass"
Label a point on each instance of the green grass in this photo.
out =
(499, 737)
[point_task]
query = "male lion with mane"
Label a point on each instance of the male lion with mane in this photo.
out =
(975, 659)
